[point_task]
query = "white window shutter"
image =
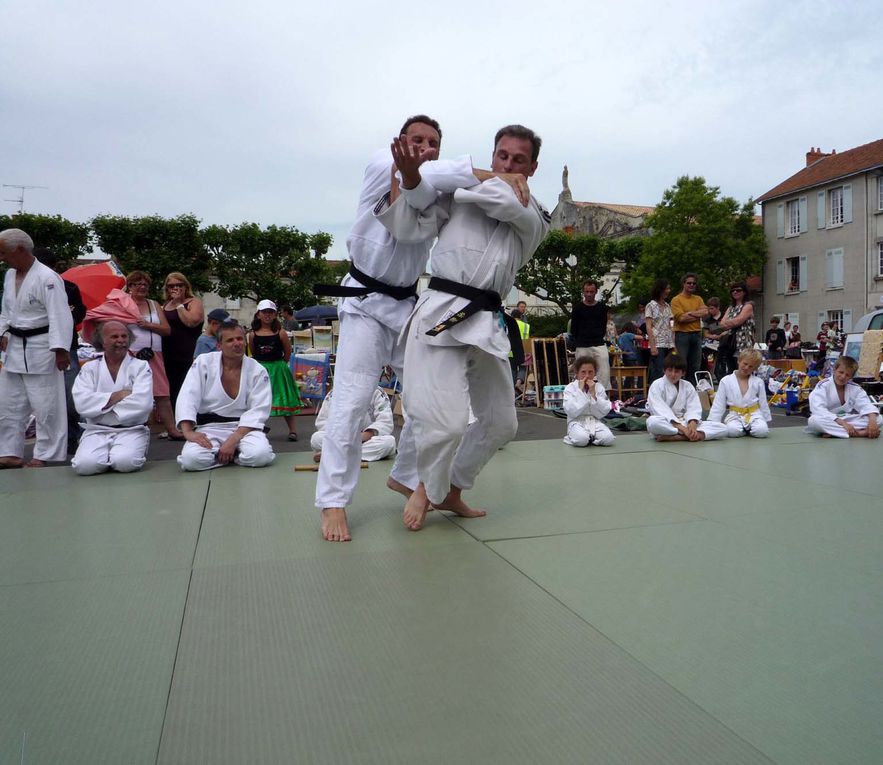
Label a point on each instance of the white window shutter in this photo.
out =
(780, 220)
(847, 321)
(803, 273)
(780, 277)
(823, 317)
(803, 214)
(837, 260)
(820, 210)
(829, 269)
(847, 203)
(794, 318)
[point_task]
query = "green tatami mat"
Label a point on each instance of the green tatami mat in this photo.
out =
(99, 526)
(780, 644)
(440, 655)
(86, 666)
(269, 513)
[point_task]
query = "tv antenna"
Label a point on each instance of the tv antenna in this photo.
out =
(21, 194)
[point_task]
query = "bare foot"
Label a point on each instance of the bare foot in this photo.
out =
(317, 456)
(826, 435)
(392, 483)
(36, 463)
(334, 528)
(10, 462)
(416, 508)
(454, 503)
(677, 437)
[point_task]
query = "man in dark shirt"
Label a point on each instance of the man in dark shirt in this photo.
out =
(588, 325)
(775, 339)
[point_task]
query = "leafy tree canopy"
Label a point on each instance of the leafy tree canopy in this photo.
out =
(563, 262)
(695, 229)
(68, 240)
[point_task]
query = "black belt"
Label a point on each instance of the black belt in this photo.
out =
(371, 285)
(24, 334)
(124, 427)
(479, 300)
(206, 418)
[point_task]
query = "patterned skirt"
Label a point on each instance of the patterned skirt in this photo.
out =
(286, 396)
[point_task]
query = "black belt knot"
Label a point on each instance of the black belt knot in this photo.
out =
(24, 334)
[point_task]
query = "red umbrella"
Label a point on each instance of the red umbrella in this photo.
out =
(96, 281)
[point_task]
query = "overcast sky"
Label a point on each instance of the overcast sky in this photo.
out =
(268, 111)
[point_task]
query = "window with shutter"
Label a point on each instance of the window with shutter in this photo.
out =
(793, 217)
(835, 197)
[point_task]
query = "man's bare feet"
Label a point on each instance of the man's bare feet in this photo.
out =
(317, 457)
(416, 508)
(392, 483)
(36, 463)
(334, 528)
(454, 503)
(677, 437)
(826, 435)
(10, 462)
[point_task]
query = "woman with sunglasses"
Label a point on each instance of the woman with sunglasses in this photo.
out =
(739, 320)
(184, 314)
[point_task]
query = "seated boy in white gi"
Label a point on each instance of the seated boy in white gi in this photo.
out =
(839, 408)
(114, 396)
(740, 402)
(586, 403)
(223, 406)
(675, 411)
(376, 425)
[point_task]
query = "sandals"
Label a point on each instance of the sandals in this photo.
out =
(292, 436)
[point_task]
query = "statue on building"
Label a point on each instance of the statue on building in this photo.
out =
(565, 195)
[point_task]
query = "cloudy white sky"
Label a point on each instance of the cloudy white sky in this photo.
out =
(267, 111)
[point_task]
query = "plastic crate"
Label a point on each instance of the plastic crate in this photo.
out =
(553, 396)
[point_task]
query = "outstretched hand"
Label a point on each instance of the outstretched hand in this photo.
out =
(408, 160)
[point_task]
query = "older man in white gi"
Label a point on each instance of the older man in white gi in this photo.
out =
(223, 406)
(378, 295)
(35, 333)
(114, 396)
(458, 339)
(378, 441)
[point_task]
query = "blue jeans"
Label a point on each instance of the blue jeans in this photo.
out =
(689, 345)
(654, 365)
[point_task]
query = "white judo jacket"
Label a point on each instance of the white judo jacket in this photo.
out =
(582, 408)
(730, 395)
(824, 403)
(680, 403)
(378, 418)
(93, 387)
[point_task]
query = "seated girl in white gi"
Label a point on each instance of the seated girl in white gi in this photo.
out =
(740, 402)
(376, 425)
(839, 408)
(586, 403)
(223, 406)
(114, 395)
(675, 411)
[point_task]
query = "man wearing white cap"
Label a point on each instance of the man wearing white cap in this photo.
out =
(35, 332)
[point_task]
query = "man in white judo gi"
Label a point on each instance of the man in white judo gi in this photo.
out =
(377, 297)
(223, 406)
(114, 396)
(839, 408)
(459, 338)
(378, 442)
(35, 332)
(675, 409)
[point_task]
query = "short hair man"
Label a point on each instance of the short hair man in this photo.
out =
(521, 306)
(114, 396)
(588, 325)
(207, 342)
(688, 309)
(378, 294)
(775, 339)
(289, 323)
(223, 406)
(455, 340)
(35, 332)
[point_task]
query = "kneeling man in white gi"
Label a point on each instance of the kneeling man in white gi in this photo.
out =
(376, 425)
(114, 396)
(223, 406)
(458, 337)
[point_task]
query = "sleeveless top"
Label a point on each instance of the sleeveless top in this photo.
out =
(744, 334)
(146, 338)
(182, 342)
(267, 347)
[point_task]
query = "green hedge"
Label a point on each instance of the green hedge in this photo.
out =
(547, 325)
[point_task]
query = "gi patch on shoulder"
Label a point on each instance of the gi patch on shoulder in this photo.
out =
(50, 286)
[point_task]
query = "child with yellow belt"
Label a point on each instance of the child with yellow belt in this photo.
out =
(740, 402)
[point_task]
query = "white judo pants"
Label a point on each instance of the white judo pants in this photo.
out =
(579, 435)
(660, 426)
(373, 450)
(120, 449)
(254, 449)
(365, 347)
(444, 380)
(756, 426)
(817, 425)
(22, 394)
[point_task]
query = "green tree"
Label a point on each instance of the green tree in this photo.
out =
(695, 229)
(279, 262)
(68, 240)
(563, 262)
(156, 246)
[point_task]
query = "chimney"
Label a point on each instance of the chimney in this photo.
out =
(815, 154)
